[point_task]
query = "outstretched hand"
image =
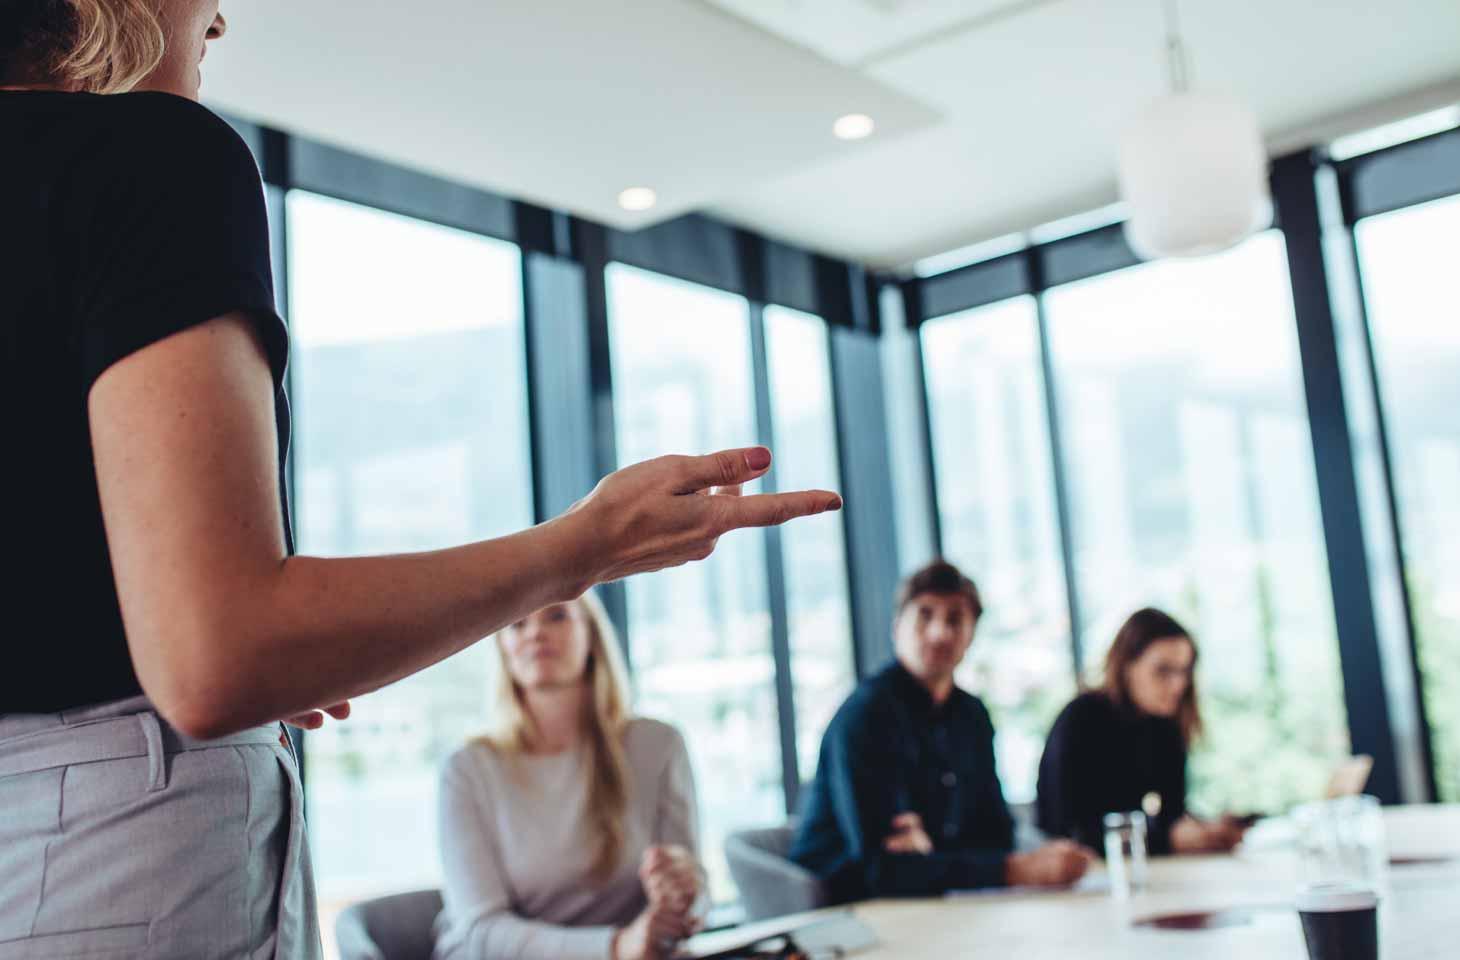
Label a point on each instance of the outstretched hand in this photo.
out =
(671, 510)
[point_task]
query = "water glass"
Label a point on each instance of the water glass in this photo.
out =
(1343, 841)
(1125, 852)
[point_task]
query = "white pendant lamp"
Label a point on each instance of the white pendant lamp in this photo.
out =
(1193, 170)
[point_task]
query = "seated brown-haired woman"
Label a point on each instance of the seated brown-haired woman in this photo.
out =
(1123, 746)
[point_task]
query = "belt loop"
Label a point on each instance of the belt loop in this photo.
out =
(156, 758)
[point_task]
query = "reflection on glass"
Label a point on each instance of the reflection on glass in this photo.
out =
(1192, 489)
(822, 670)
(699, 635)
(1408, 262)
(991, 460)
(410, 433)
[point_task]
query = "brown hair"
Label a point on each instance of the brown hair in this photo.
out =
(1140, 630)
(94, 46)
(942, 578)
(513, 731)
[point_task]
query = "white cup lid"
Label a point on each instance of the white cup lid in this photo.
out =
(1336, 898)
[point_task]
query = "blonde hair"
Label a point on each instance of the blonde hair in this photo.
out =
(93, 46)
(513, 731)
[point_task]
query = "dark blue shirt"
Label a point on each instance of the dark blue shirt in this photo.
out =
(891, 750)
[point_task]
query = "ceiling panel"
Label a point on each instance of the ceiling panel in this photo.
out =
(564, 102)
(993, 115)
(855, 31)
(1023, 142)
(1036, 103)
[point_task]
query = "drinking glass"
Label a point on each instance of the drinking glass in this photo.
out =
(1125, 852)
(1343, 841)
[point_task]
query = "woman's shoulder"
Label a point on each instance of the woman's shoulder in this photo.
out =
(1089, 707)
(477, 759)
(163, 132)
(649, 737)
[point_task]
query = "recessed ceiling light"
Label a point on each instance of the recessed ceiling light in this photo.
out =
(853, 126)
(635, 199)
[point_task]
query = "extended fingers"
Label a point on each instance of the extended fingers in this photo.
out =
(725, 468)
(312, 720)
(774, 509)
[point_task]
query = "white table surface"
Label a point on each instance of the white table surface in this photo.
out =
(1419, 916)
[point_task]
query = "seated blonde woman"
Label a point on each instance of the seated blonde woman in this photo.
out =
(567, 831)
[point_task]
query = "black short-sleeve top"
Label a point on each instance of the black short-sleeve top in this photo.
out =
(123, 220)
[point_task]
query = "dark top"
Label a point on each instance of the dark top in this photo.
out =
(891, 750)
(1102, 758)
(123, 219)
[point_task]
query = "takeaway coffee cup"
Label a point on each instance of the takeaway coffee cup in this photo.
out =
(1340, 921)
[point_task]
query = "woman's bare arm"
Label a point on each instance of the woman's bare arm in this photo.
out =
(226, 631)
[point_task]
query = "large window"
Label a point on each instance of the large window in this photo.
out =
(804, 423)
(1192, 488)
(991, 458)
(410, 433)
(700, 638)
(1413, 299)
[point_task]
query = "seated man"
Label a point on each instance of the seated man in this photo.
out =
(906, 800)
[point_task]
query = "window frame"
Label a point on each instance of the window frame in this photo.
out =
(1313, 197)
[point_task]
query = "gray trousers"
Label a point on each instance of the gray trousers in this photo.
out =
(122, 838)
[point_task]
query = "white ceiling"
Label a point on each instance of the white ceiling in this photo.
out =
(993, 115)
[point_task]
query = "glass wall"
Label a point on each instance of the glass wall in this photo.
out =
(1192, 489)
(991, 459)
(1408, 259)
(823, 670)
(700, 635)
(409, 391)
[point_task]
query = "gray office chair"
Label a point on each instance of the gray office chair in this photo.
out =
(1027, 836)
(390, 928)
(770, 884)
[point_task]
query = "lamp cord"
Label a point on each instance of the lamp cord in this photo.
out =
(1176, 50)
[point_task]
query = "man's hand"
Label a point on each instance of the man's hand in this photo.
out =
(1056, 864)
(908, 835)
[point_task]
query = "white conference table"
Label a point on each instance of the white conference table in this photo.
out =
(1419, 917)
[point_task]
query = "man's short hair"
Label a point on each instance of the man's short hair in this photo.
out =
(942, 578)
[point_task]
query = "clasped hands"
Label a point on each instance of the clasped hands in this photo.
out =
(673, 883)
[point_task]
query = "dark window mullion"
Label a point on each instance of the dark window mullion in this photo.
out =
(590, 243)
(1296, 198)
(1063, 509)
(1365, 337)
(775, 568)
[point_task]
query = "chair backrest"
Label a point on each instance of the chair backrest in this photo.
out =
(1027, 835)
(770, 884)
(398, 927)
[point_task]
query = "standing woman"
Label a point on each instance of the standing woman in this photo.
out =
(149, 808)
(568, 831)
(1123, 746)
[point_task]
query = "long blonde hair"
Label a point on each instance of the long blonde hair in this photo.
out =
(94, 46)
(513, 731)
